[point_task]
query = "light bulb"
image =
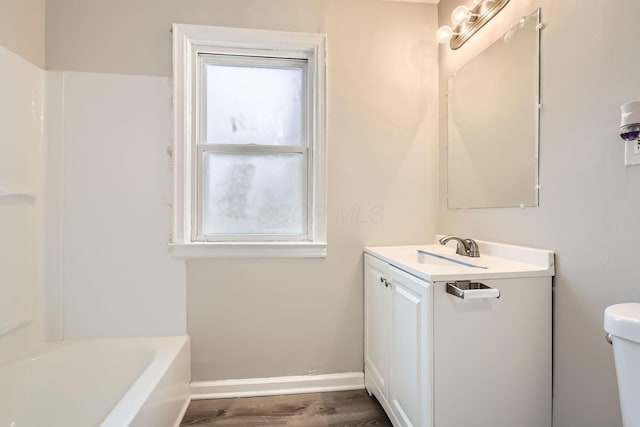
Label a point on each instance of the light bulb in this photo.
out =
(459, 15)
(444, 34)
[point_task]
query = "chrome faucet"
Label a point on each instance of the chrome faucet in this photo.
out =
(466, 247)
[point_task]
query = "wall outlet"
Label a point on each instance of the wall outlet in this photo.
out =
(632, 153)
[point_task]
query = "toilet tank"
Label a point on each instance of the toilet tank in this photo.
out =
(622, 321)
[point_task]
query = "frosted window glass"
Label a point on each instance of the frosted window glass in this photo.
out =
(253, 193)
(254, 105)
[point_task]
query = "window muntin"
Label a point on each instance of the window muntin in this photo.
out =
(253, 163)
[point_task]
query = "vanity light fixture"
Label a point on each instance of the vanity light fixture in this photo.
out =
(460, 14)
(467, 21)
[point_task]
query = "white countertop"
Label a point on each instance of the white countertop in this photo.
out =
(502, 261)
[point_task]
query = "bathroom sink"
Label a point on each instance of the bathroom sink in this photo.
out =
(434, 258)
(436, 262)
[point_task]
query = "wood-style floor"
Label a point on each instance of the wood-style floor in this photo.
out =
(336, 409)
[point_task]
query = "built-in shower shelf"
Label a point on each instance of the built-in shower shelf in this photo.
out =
(12, 325)
(5, 192)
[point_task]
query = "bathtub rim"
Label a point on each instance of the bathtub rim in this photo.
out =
(168, 368)
(133, 400)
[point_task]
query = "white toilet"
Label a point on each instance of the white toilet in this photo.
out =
(622, 322)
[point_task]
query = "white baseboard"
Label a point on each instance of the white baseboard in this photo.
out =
(278, 385)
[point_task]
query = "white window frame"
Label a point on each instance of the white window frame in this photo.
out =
(193, 45)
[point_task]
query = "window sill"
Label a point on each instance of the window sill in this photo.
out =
(249, 250)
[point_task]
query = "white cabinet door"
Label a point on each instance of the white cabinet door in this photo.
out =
(410, 370)
(377, 301)
(492, 357)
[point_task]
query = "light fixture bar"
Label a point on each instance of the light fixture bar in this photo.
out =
(478, 16)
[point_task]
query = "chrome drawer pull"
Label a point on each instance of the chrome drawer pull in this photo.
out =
(466, 289)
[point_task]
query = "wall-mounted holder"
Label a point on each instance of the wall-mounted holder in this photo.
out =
(630, 121)
(630, 132)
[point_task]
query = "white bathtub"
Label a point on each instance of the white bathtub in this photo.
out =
(137, 382)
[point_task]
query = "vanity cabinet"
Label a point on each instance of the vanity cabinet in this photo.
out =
(377, 297)
(436, 360)
(409, 368)
(397, 368)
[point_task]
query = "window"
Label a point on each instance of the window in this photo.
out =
(249, 149)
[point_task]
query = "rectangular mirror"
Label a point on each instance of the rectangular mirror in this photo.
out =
(493, 118)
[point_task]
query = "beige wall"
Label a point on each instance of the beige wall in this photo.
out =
(22, 28)
(262, 318)
(133, 37)
(589, 201)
